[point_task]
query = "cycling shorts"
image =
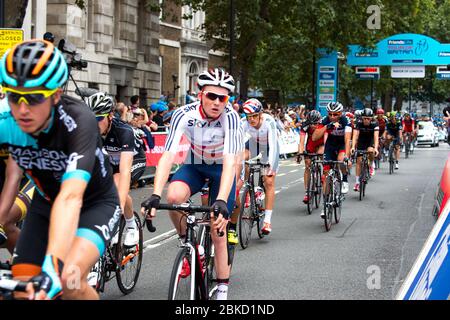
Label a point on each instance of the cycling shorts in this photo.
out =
(23, 199)
(365, 144)
(332, 152)
(137, 168)
(264, 150)
(98, 222)
(195, 176)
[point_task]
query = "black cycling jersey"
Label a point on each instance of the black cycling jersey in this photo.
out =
(366, 133)
(393, 129)
(121, 138)
(336, 136)
(70, 147)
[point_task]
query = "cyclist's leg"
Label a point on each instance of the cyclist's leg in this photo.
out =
(397, 148)
(98, 223)
(214, 173)
(307, 172)
(186, 182)
(32, 244)
(128, 212)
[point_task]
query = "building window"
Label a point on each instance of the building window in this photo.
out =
(192, 76)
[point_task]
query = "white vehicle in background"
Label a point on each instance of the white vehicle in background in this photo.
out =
(428, 134)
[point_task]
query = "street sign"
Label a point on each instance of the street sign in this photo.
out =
(8, 38)
(367, 73)
(408, 72)
(429, 278)
(443, 72)
(327, 79)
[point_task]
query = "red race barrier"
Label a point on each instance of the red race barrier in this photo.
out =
(155, 154)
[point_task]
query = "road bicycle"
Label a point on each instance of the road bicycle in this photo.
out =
(314, 188)
(193, 273)
(119, 261)
(333, 198)
(364, 176)
(251, 211)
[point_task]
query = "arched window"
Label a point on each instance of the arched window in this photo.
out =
(192, 76)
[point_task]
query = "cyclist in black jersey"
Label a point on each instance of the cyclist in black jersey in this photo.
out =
(127, 156)
(365, 138)
(55, 140)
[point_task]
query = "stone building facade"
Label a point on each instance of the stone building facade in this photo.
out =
(129, 50)
(118, 38)
(184, 52)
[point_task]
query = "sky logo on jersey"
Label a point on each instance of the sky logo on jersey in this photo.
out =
(203, 124)
(68, 120)
(72, 163)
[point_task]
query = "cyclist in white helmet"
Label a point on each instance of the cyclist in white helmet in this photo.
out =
(215, 135)
(337, 133)
(263, 133)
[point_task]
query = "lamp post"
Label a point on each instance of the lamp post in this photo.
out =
(175, 85)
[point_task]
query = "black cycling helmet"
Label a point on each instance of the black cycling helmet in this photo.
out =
(100, 103)
(314, 116)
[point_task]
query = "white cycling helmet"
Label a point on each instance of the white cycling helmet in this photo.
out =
(100, 103)
(335, 107)
(216, 77)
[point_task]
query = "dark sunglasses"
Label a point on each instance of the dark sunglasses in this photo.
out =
(333, 114)
(213, 96)
(367, 118)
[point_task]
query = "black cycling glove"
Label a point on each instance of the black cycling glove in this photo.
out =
(220, 207)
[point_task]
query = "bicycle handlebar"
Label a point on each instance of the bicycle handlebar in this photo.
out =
(187, 207)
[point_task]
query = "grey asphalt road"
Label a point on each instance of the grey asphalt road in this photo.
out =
(366, 256)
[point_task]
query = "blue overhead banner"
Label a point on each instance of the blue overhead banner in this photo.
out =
(407, 49)
(429, 278)
(327, 79)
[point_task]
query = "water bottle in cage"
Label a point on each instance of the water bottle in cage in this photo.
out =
(259, 196)
(201, 253)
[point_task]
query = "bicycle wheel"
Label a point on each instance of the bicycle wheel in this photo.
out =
(337, 200)
(318, 186)
(210, 277)
(362, 180)
(128, 259)
(260, 214)
(328, 204)
(246, 216)
(310, 191)
(182, 284)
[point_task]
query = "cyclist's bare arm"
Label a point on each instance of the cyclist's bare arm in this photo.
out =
(376, 135)
(319, 133)
(355, 139)
(348, 137)
(10, 188)
(301, 146)
(126, 161)
(64, 217)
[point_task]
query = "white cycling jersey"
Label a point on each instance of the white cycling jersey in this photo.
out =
(264, 139)
(210, 140)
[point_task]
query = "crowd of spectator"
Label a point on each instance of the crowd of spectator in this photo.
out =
(156, 117)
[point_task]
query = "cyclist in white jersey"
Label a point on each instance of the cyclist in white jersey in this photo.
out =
(212, 128)
(263, 138)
